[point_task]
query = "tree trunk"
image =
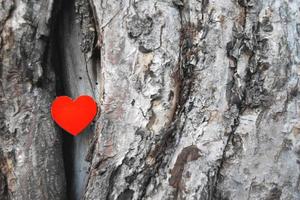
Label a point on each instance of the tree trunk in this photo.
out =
(31, 164)
(199, 99)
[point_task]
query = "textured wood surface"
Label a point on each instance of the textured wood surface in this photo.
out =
(199, 99)
(31, 164)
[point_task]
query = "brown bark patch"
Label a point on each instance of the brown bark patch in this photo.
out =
(188, 154)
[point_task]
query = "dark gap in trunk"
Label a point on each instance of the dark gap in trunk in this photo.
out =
(72, 80)
(60, 84)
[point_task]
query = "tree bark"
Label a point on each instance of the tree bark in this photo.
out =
(31, 165)
(199, 99)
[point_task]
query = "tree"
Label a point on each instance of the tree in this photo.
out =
(199, 99)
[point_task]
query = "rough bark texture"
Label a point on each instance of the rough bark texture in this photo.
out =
(31, 165)
(199, 99)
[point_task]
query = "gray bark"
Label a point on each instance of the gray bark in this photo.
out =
(199, 99)
(31, 165)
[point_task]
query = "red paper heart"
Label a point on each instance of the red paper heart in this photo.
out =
(73, 116)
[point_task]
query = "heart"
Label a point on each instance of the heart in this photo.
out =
(73, 116)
